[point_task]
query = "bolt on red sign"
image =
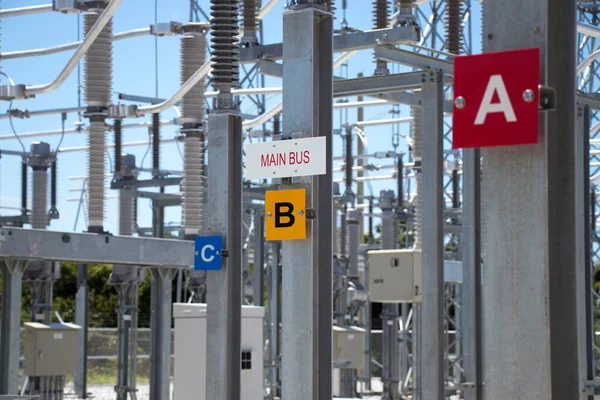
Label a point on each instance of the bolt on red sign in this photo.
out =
(496, 99)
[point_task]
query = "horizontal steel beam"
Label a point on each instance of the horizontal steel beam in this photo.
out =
(347, 42)
(163, 199)
(405, 57)
(270, 68)
(134, 184)
(378, 84)
(34, 244)
(591, 100)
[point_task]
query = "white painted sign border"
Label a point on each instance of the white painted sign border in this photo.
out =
(286, 158)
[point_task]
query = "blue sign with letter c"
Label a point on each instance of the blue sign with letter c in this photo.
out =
(207, 253)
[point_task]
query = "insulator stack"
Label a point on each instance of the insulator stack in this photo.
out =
(380, 13)
(454, 27)
(250, 22)
(193, 199)
(455, 189)
(23, 187)
(126, 196)
(276, 126)
(98, 88)
(118, 144)
(193, 56)
(247, 219)
(39, 217)
(126, 213)
(349, 160)
(53, 186)
(416, 128)
(155, 144)
(389, 232)
(330, 6)
(135, 208)
(380, 21)
(98, 62)
(96, 148)
(39, 160)
(224, 49)
(400, 183)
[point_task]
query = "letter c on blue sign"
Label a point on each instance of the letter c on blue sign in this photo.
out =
(203, 253)
(207, 253)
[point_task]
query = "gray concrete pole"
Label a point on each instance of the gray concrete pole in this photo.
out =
(274, 301)
(431, 338)
(471, 286)
(10, 325)
(528, 236)
(82, 319)
(390, 312)
(160, 353)
(308, 101)
(224, 287)
(224, 187)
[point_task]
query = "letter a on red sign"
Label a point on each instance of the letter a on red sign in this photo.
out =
(496, 99)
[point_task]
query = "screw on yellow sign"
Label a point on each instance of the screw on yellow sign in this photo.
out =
(285, 212)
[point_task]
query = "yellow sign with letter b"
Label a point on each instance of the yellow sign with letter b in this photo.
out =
(285, 214)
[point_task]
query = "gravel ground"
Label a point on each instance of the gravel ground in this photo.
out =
(107, 392)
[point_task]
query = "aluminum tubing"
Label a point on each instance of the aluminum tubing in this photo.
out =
(39, 216)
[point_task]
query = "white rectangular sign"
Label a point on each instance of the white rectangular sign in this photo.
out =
(286, 158)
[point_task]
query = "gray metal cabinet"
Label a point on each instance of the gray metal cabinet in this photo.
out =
(50, 350)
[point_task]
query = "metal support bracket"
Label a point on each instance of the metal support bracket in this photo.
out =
(547, 98)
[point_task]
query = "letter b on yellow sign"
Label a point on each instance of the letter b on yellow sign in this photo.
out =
(285, 212)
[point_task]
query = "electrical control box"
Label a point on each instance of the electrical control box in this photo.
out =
(50, 349)
(395, 276)
(189, 374)
(349, 345)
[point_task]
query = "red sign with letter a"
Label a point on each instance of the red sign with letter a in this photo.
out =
(496, 99)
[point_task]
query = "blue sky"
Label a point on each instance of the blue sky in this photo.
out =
(134, 62)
